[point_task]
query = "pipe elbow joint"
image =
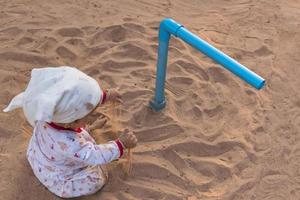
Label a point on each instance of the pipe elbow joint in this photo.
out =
(167, 27)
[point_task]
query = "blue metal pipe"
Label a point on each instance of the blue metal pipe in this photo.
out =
(168, 27)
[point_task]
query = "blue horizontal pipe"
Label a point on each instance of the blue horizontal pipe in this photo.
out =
(229, 63)
(169, 27)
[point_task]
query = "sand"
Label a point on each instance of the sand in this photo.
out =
(218, 138)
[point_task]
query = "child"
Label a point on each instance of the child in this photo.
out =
(58, 103)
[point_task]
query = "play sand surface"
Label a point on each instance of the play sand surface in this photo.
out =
(217, 138)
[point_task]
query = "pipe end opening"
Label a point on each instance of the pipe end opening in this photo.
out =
(261, 85)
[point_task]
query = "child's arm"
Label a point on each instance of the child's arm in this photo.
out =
(98, 124)
(93, 154)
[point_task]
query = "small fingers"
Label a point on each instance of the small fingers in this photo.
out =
(119, 100)
(131, 136)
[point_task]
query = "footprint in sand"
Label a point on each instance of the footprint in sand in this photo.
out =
(29, 58)
(66, 53)
(193, 69)
(114, 66)
(159, 133)
(116, 34)
(12, 31)
(70, 32)
(132, 51)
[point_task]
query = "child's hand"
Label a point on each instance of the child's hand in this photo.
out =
(128, 139)
(113, 95)
(98, 124)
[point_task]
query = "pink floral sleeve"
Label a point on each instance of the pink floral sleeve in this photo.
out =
(92, 154)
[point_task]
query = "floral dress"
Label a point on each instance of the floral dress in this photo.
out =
(68, 162)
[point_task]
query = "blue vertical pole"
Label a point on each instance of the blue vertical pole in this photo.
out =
(159, 97)
(159, 102)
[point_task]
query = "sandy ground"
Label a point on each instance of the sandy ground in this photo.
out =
(218, 138)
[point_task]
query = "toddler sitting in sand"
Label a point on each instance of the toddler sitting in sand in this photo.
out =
(58, 103)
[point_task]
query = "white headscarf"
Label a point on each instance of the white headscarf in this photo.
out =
(60, 94)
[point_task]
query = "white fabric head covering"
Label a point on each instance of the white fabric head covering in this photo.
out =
(57, 94)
